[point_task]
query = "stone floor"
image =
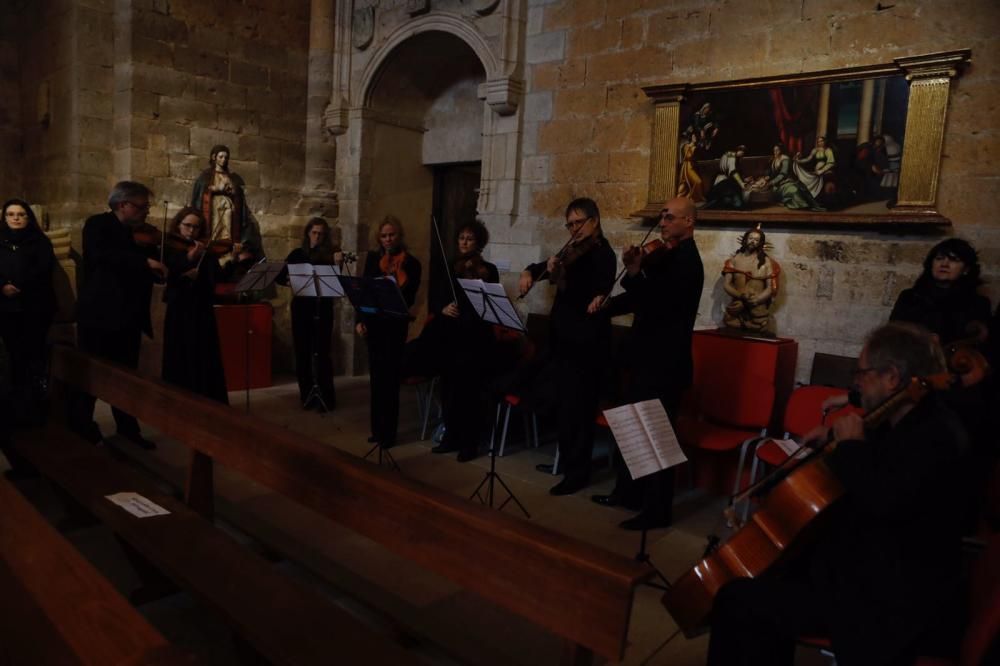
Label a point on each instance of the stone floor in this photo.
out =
(437, 620)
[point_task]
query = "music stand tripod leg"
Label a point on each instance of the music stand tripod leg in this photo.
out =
(314, 392)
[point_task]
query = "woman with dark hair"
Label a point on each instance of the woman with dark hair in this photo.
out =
(312, 319)
(459, 346)
(386, 336)
(191, 355)
(27, 304)
(944, 298)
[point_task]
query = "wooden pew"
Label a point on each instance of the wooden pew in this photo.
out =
(55, 608)
(577, 591)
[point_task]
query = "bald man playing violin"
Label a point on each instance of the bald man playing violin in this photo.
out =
(579, 346)
(882, 578)
(663, 289)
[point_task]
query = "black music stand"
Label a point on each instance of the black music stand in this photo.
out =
(321, 281)
(376, 297)
(260, 276)
(490, 302)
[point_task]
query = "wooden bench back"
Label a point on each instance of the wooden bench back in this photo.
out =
(573, 589)
(55, 608)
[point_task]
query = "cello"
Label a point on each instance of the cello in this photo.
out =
(792, 502)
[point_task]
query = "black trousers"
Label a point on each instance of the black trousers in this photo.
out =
(308, 337)
(578, 390)
(386, 342)
(25, 338)
(119, 346)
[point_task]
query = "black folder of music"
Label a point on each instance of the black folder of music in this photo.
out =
(490, 302)
(375, 297)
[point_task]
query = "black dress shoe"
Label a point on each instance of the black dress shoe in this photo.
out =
(544, 468)
(465, 455)
(568, 486)
(137, 439)
(606, 500)
(645, 521)
(444, 448)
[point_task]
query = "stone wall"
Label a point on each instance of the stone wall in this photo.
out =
(587, 133)
(11, 182)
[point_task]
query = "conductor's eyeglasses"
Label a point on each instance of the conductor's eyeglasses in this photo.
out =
(572, 225)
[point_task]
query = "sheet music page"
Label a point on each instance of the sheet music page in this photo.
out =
(473, 289)
(792, 448)
(505, 309)
(661, 433)
(300, 279)
(633, 441)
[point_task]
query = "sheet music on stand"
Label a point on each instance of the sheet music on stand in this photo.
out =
(490, 302)
(645, 437)
(375, 296)
(260, 276)
(325, 285)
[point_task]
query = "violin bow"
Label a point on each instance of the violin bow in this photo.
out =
(163, 232)
(625, 268)
(545, 273)
(444, 259)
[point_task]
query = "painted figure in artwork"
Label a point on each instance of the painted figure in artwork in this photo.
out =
(750, 277)
(691, 184)
(787, 189)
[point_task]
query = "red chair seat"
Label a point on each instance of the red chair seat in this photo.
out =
(512, 399)
(712, 437)
(415, 380)
(771, 453)
(601, 420)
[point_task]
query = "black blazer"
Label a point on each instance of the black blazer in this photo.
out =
(664, 297)
(116, 283)
(26, 261)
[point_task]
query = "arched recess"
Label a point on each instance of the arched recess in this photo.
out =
(422, 114)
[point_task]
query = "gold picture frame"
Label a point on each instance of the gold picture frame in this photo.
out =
(855, 172)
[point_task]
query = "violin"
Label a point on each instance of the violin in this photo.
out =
(791, 499)
(146, 235)
(392, 265)
(471, 267)
(215, 248)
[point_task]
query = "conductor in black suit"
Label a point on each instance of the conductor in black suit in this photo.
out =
(113, 303)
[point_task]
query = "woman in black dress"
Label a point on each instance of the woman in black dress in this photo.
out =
(386, 336)
(312, 318)
(27, 305)
(191, 355)
(459, 346)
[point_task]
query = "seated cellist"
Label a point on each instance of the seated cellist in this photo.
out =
(883, 577)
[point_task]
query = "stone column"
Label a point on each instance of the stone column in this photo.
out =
(318, 196)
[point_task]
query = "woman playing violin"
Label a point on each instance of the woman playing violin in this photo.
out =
(312, 318)
(883, 579)
(459, 346)
(579, 345)
(191, 353)
(386, 337)
(663, 289)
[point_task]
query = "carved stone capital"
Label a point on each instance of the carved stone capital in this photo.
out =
(503, 94)
(669, 94)
(335, 117)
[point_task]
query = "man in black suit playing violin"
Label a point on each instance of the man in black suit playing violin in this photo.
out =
(579, 345)
(883, 576)
(113, 304)
(663, 289)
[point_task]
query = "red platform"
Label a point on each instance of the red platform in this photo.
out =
(739, 382)
(241, 326)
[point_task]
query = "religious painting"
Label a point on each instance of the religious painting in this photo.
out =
(853, 146)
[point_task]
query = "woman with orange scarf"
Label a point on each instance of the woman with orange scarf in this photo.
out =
(386, 337)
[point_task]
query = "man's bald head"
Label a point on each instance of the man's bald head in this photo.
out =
(677, 219)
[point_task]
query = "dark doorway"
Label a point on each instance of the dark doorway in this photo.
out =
(456, 193)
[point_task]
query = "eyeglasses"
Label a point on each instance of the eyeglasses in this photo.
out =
(188, 225)
(144, 206)
(576, 224)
